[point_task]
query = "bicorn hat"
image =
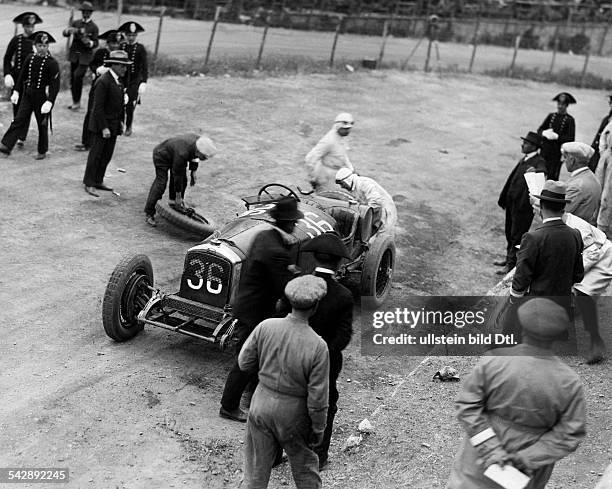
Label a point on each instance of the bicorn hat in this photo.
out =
(28, 18)
(86, 6)
(553, 191)
(533, 138)
(286, 209)
(566, 97)
(43, 37)
(112, 35)
(329, 243)
(543, 319)
(118, 57)
(305, 291)
(131, 27)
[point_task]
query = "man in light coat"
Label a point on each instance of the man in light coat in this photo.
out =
(583, 190)
(368, 191)
(331, 153)
(522, 405)
(603, 173)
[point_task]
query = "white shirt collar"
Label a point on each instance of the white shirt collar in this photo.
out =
(114, 75)
(324, 270)
(579, 170)
(530, 155)
(548, 219)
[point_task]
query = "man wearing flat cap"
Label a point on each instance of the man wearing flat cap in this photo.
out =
(289, 406)
(595, 144)
(83, 33)
(583, 189)
(35, 91)
(18, 49)
(105, 122)
(268, 269)
(514, 198)
(330, 153)
(138, 74)
(175, 155)
(558, 128)
(529, 421)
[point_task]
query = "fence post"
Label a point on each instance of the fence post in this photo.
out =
(212, 35)
(336, 35)
(159, 30)
(119, 11)
(584, 67)
(426, 69)
(385, 35)
(603, 40)
(70, 37)
(517, 42)
(263, 42)
(475, 40)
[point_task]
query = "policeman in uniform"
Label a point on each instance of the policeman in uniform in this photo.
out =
(113, 39)
(84, 34)
(35, 91)
(16, 52)
(137, 75)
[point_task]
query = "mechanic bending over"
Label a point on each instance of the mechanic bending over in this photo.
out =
(176, 155)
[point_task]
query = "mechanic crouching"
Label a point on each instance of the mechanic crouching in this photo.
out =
(289, 407)
(175, 155)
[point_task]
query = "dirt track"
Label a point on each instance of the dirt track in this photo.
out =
(144, 414)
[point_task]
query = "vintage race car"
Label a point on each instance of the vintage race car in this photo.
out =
(211, 275)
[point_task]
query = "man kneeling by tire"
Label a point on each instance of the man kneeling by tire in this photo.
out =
(175, 155)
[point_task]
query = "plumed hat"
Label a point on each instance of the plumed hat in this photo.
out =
(566, 97)
(28, 18)
(112, 35)
(131, 28)
(43, 37)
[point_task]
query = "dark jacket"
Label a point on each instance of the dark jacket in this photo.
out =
(138, 71)
(17, 51)
(565, 126)
(39, 73)
(549, 261)
(84, 41)
(98, 60)
(175, 154)
(107, 110)
(515, 193)
(263, 279)
(584, 193)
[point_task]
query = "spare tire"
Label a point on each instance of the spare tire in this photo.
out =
(197, 224)
(377, 271)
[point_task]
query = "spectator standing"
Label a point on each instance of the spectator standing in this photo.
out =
(138, 74)
(595, 144)
(558, 128)
(583, 189)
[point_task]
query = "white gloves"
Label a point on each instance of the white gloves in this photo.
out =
(101, 70)
(46, 107)
(550, 134)
(142, 88)
(15, 98)
(9, 82)
(126, 99)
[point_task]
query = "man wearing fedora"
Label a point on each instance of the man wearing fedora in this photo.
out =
(18, 49)
(529, 421)
(105, 122)
(267, 271)
(583, 189)
(514, 198)
(35, 91)
(138, 74)
(558, 128)
(84, 35)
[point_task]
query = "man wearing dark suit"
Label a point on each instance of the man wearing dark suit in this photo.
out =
(583, 189)
(263, 282)
(106, 121)
(595, 144)
(333, 320)
(558, 128)
(550, 259)
(84, 33)
(514, 198)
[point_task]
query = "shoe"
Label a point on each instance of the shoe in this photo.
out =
(103, 187)
(150, 220)
(81, 147)
(500, 263)
(323, 463)
(280, 458)
(597, 353)
(504, 270)
(91, 191)
(235, 414)
(20, 143)
(40, 156)
(4, 150)
(128, 132)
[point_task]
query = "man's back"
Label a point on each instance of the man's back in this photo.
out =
(584, 194)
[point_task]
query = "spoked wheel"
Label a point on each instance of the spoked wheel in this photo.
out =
(127, 293)
(285, 192)
(377, 273)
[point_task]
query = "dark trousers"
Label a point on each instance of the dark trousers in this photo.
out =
(99, 157)
(158, 187)
(238, 380)
(132, 93)
(87, 134)
(335, 366)
(517, 224)
(24, 133)
(588, 309)
(31, 101)
(553, 168)
(77, 73)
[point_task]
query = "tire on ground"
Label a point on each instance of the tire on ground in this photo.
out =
(126, 294)
(377, 272)
(184, 222)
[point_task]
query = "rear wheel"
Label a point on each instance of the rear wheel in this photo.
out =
(377, 273)
(127, 293)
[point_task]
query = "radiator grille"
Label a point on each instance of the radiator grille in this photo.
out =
(206, 278)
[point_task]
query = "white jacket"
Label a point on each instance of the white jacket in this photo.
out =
(327, 157)
(368, 191)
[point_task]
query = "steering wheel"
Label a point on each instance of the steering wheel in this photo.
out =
(264, 190)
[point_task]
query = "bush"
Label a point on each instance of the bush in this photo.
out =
(529, 40)
(577, 44)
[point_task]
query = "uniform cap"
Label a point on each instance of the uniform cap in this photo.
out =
(553, 192)
(86, 6)
(205, 146)
(112, 35)
(329, 243)
(43, 37)
(344, 119)
(304, 292)
(583, 152)
(118, 57)
(566, 97)
(28, 18)
(543, 319)
(131, 28)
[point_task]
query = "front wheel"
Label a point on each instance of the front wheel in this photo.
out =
(377, 273)
(127, 293)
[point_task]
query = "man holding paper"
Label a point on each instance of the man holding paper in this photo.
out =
(521, 406)
(514, 197)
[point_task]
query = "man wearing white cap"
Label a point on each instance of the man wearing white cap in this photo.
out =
(331, 153)
(176, 155)
(368, 191)
(289, 407)
(583, 190)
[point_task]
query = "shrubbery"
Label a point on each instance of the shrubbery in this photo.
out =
(577, 44)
